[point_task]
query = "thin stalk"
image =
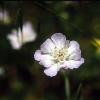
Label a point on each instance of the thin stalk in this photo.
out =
(67, 86)
(78, 92)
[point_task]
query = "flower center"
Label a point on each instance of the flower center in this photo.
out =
(60, 55)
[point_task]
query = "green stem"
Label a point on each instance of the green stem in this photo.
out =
(78, 92)
(67, 86)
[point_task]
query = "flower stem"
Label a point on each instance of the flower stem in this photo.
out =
(78, 92)
(67, 86)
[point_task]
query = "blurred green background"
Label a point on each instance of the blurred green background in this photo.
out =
(22, 78)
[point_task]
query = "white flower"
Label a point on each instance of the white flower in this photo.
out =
(57, 52)
(18, 38)
(4, 17)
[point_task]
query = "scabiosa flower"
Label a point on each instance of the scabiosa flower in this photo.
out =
(57, 52)
(18, 38)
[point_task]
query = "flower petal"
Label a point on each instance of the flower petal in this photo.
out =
(14, 40)
(27, 28)
(52, 71)
(74, 43)
(46, 61)
(76, 55)
(59, 40)
(72, 64)
(37, 55)
(28, 33)
(73, 47)
(47, 46)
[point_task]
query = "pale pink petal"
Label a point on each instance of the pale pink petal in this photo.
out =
(37, 55)
(59, 40)
(52, 71)
(72, 64)
(14, 40)
(74, 43)
(46, 61)
(27, 27)
(47, 46)
(73, 47)
(75, 55)
(29, 33)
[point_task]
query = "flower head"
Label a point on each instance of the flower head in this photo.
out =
(57, 52)
(18, 38)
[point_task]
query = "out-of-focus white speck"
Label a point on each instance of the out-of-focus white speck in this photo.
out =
(4, 17)
(2, 71)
